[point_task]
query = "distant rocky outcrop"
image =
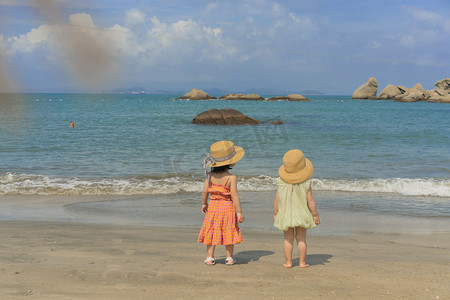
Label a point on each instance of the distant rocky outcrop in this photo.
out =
(196, 94)
(226, 116)
(403, 94)
(441, 93)
(253, 97)
(291, 97)
(367, 90)
(411, 95)
(443, 87)
(389, 92)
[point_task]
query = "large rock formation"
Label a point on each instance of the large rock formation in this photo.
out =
(226, 116)
(443, 87)
(389, 92)
(441, 93)
(367, 90)
(445, 99)
(411, 95)
(292, 97)
(403, 94)
(420, 88)
(196, 94)
(253, 97)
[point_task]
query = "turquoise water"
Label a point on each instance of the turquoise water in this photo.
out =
(145, 145)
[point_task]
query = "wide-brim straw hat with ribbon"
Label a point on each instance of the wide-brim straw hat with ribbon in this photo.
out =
(296, 167)
(223, 153)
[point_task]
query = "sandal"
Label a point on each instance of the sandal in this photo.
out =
(210, 261)
(230, 261)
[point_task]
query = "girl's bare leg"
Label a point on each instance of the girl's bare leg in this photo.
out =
(288, 245)
(210, 249)
(300, 233)
(230, 250)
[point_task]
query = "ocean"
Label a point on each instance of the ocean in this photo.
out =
(379, 157)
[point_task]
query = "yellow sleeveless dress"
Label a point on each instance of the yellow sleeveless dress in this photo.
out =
(293, 208)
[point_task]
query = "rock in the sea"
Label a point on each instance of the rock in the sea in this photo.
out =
(443, 87)
(419, 87)
(413, 95)
(389, 92)
(242, 97)
(436, 98)
(403, 89)
(275, 122)
(291, 97)
(445, 99)
(226, 116)
(367, 90)
(196, 94)
(441, 93)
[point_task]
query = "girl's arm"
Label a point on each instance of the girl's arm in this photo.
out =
(205, 196)
(235, 198)
(275, 206)
(312, 206)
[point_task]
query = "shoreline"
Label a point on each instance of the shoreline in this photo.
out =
(65, 260)
(338, 211)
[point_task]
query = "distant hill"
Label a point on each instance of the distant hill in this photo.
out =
(310, 92)
(132, 90)
(217, 92)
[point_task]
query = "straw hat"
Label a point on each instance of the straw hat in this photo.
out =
(296, 167)
(225, 153)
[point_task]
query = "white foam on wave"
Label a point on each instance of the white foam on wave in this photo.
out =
(23, 184)
(404, 186)
(47, 185)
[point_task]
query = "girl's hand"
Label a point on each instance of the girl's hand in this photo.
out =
(316, 220)
(204, 208)
(240, 217)
(274, 217)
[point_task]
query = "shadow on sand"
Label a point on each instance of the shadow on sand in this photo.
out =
(315, 259)
(245, 257)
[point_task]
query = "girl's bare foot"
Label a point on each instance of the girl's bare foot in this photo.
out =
(287, 265)
(305, 266)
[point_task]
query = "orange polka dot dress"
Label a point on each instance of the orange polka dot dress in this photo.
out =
(220, 226)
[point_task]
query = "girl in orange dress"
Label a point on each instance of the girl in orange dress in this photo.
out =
(222, 214)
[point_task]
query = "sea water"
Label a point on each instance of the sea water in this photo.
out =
(381, 157)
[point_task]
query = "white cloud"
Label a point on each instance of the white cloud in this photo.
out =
(86, 51)
(427, 18)
(85, 48)
(211, 7)
(28, 42)
(373, 45)
(407, 40)
(82, 20)
(134, 17)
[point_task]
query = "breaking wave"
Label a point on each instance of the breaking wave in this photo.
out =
(25, 184)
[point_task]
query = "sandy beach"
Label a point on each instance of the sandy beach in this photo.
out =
(64, 260)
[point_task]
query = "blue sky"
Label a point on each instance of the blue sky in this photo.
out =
(332, 46)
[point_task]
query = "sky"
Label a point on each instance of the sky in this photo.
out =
(330, 46)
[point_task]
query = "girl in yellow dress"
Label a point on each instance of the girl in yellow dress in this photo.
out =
(294, 206)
